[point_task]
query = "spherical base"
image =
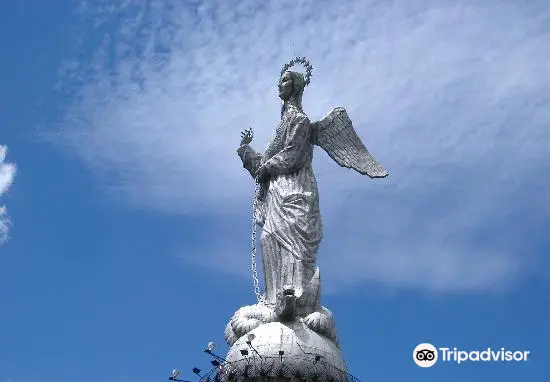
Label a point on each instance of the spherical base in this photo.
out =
(287, 350)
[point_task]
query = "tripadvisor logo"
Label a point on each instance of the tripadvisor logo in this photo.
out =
(426, 355)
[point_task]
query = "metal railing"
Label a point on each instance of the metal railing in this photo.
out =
(285, 368)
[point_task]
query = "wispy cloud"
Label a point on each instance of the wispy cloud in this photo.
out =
(452, 97)
(7, 175)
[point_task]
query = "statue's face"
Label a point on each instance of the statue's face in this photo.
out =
(285, 86)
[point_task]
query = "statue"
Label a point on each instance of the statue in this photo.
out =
(286, 207)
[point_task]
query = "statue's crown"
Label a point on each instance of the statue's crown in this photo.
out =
(305, 63)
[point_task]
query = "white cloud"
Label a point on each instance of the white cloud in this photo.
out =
(450, 96)
(7, 174)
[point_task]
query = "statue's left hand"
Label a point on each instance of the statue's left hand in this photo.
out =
(247, 136)
(262, 175)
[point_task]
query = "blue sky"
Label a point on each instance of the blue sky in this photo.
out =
(125, 210)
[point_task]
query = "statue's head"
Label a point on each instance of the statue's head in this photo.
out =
(291, 85)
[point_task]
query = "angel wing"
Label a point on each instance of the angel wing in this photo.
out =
(335, 134)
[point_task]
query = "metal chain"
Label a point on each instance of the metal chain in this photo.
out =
(254, 270)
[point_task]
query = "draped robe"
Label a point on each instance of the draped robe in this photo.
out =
(288, 205)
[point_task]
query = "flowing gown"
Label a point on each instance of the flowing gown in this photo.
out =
(288, 205)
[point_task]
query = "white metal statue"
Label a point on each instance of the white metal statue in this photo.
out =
(287, 207)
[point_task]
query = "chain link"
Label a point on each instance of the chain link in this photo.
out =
(254, 226)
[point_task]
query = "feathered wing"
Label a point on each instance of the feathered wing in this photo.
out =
(335, 134)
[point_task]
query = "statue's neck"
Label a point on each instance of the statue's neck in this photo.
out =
(292, 101)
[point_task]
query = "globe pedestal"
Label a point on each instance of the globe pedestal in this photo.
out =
(283, 352)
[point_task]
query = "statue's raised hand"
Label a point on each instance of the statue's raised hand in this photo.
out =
(246, 136)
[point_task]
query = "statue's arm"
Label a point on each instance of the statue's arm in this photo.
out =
(250, 158)
(295, 152)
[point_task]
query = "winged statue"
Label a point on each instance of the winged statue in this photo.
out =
(286, 206)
